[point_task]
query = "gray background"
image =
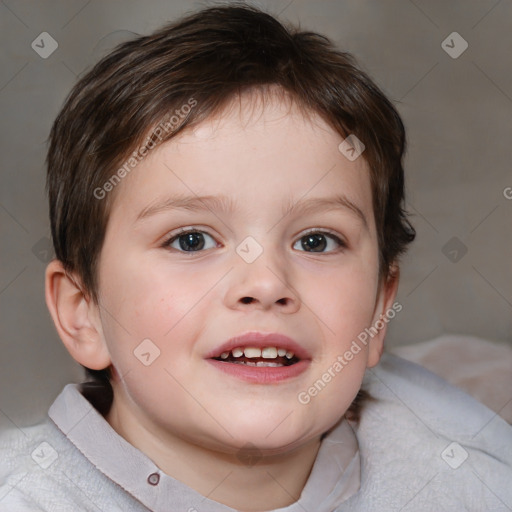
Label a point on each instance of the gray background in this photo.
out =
(457, 111)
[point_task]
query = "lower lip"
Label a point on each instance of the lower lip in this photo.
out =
(261, 374)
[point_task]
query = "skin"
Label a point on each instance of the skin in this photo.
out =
(190, 418)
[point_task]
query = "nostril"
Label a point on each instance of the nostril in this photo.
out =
(249, 300)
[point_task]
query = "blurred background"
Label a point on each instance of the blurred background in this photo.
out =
(446, 66)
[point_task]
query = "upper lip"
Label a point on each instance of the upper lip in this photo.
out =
(260, 340)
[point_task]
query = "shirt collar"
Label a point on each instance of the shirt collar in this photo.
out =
(334, 478)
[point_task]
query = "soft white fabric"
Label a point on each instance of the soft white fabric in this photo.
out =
(405, 440)
(413, 440)
(93, 464)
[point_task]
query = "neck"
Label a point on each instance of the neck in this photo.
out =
(250, 482)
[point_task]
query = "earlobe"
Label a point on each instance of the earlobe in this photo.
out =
(75, 317)
(383, 314)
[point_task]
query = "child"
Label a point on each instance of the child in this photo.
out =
(226, 202)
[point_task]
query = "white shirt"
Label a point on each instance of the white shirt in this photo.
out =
(421, 445)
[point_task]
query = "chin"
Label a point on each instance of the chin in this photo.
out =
(272, 437)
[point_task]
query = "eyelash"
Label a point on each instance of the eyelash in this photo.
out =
(328, 234)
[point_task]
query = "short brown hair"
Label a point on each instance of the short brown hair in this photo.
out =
(210, 56)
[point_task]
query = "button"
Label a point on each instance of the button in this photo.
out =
(153, 479)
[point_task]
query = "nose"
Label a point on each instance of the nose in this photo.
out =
(265, 284)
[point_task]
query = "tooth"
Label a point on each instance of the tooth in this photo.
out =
(289, 355)
(224, 355)
(237, 352)
(252, 352)
(281, 352)
(269, 353)
(259, 363)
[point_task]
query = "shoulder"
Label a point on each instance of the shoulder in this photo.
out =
(18, 446)
(21, 451)
(41, 470)
(423, 441)
(441, 407)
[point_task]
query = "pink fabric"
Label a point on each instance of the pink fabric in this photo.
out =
(480, 367)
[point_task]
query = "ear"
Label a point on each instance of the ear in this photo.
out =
(384, 311)
(76, 318)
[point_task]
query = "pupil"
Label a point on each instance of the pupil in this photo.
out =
(191, 241)
(316, 242)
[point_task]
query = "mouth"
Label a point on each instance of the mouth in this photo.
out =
(261, 358)
(266, 357)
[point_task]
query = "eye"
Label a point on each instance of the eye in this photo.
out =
(319, 241)
(191, 241)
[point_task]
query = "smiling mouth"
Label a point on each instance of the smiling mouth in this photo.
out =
(267, 357)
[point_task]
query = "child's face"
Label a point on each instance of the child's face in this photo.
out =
(277, 175)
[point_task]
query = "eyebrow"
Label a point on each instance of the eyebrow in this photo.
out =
(337, 202)
(192, 203)
(225, 204)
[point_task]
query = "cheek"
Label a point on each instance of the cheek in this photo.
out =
(139, 303)
(160, 303)
(344, 304)
(151, 338)
(342, 299)
(148, 298)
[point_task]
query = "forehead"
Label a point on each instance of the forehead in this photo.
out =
(257, 139)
